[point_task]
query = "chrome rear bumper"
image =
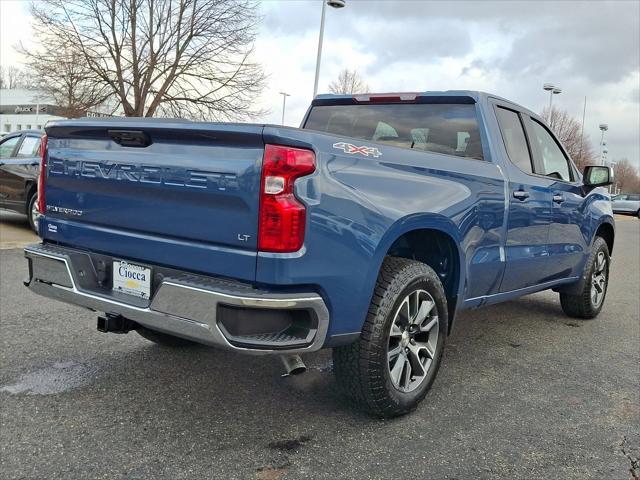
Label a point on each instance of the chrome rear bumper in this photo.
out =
(182, 304)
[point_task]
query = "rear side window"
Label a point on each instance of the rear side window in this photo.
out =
(514, 139)
(451, 129)
(551, 159)
(29, 147)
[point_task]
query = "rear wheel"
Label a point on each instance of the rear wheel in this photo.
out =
(32, 211)
(391, 367)
(588, 303)
(163, 339)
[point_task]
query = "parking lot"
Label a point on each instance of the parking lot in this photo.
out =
(524, 392)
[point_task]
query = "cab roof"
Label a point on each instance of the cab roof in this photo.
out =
(447, 96)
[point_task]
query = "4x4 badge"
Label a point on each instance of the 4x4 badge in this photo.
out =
(363, 150)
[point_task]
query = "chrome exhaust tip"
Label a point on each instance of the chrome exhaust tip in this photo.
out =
(293, 365)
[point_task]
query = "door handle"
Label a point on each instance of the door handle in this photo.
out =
(557, 198)
(520, 194)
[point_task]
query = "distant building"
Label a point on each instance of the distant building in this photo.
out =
(25, 109)
(22, 109)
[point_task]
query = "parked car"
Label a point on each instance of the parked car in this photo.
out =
(19, 168)
(366, 230)
(627, 203)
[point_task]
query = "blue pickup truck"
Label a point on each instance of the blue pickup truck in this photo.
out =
(366, 230)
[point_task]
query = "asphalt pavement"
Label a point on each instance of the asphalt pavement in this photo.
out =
(524, 392)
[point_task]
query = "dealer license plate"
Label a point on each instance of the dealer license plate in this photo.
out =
(132, 279)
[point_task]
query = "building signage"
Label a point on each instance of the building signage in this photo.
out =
(30, 109)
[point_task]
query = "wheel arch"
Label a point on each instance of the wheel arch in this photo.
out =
(607, 232)
(433, 240)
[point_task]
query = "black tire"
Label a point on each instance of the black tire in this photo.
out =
(583, 304)
(33, 202)
(164, 339)
(363, 369)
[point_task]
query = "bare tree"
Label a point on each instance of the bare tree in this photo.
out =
(185, 58)
(626, 176)
(62, 74)
(348, 82)
(13, 77)
(569, 132)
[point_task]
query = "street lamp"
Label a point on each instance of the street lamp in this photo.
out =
(284, 103)
(553, 90)
(334, 4)
(615, 187)
(603, 128)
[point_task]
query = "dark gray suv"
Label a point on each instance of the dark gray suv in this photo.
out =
(19, 167)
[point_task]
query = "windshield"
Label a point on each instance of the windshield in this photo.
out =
(451, 129)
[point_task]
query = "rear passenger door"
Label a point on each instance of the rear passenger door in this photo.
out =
(530, 201)
(8, 150)
(19, 170)
(567, 243)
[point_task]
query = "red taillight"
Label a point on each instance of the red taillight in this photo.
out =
(282, 216)
(41, 176)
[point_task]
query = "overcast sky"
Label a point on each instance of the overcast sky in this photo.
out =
(509, 48)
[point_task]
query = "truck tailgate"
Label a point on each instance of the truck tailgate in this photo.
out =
(161, 185)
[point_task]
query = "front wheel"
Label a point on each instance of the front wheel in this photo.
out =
(391, 367)
(588, 303)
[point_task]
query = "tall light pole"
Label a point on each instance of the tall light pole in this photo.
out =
(603, 128)
(284, 103)
(553, 90)
(613, 167)
(334, 4)
(584, 112)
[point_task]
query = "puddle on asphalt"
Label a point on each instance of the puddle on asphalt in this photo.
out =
(57, 378)
(324, 368)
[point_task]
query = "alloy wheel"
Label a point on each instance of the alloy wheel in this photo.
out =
(35, 214)
(599, 279)
(412, 340)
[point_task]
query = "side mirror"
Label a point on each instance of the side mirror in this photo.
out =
(597, 176)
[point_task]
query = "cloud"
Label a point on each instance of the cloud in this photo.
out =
(508, 48)
(581, 45)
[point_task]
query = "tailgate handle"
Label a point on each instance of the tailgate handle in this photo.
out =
(130, 138)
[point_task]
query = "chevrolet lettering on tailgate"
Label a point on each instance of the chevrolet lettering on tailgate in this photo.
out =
(151, 174)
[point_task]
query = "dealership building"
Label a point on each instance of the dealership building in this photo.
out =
(22, 109)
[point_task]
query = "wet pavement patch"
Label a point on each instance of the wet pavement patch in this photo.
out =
(56, 378)
(290, 444)
(273, 472)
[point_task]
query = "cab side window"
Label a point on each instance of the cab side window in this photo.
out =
(514, 139)
(551, 161)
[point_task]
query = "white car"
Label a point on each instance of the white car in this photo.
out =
(628, 203)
